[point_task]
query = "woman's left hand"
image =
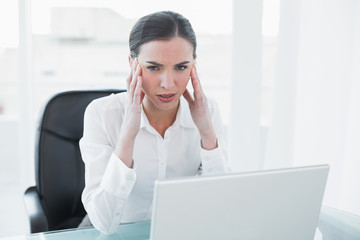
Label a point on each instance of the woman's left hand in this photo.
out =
(200, 112)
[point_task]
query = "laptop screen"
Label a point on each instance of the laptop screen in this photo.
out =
(275, 204)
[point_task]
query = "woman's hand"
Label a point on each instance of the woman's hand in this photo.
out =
(131, 121)
(132, 115)
(200, 112)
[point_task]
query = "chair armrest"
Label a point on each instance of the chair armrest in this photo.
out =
(35, 211)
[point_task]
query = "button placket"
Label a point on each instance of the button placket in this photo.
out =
(165, 148)
(162, 157)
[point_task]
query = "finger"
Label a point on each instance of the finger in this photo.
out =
(188, 96)
(135, 74)
(138, 91)
(134, 83)
(196, 84)
(134, 64)
(132, 72)
(142, 95)
(135, 68)
(194, 77)
(128, 81)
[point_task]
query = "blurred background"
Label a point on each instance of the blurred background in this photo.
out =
(286, 74)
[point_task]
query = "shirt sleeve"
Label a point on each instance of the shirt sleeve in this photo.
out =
(215, 161)
(108, 181)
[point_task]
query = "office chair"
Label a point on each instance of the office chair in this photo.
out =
(55, 202)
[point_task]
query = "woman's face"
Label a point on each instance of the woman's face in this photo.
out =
(166, 67)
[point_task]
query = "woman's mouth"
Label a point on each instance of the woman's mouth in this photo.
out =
(166, 97)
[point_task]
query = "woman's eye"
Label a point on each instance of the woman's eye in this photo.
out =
(152, 68)
(181, 67)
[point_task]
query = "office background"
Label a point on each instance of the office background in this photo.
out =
(286, 74)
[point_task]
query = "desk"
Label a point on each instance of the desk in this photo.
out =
(337, 225)
(333, 225)
(128, 231)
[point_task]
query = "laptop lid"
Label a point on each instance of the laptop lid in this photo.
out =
(275, 204)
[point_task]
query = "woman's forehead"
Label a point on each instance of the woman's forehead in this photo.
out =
(163, 50)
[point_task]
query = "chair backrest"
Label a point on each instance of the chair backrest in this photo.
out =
(58, 164)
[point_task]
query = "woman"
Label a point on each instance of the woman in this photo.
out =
(151, 132)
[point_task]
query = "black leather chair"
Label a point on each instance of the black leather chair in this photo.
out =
(55, 202)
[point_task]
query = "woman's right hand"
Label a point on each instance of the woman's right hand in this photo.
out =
(132, 115)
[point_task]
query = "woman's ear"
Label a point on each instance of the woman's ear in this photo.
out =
(130, 60)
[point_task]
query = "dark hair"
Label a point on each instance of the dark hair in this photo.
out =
(163, 25)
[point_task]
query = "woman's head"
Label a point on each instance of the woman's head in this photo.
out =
(160, 26)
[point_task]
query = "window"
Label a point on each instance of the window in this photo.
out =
(9, 42)
(84, 44)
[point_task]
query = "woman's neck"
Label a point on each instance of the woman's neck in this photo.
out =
(160, 120)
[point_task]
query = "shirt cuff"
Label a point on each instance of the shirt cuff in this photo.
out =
(213, 161)
(118, 179)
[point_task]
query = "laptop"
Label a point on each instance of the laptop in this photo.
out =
(277, 204)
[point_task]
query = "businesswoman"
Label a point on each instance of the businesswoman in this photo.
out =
(157, 130)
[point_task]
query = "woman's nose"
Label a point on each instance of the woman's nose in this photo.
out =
(167, 80)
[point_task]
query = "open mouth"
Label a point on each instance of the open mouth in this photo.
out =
(166, 97)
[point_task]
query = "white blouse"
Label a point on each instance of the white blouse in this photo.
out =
(113, 192)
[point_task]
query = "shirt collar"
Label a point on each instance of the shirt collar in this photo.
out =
(183, 116)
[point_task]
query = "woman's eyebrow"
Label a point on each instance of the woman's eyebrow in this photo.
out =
(155, 63)
(182, 63)
(161, 65)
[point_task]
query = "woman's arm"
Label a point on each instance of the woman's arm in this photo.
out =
(108, 181)
(200, 113)
(109, 177)
(215, 161)
(208, 121)
(131, 123)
